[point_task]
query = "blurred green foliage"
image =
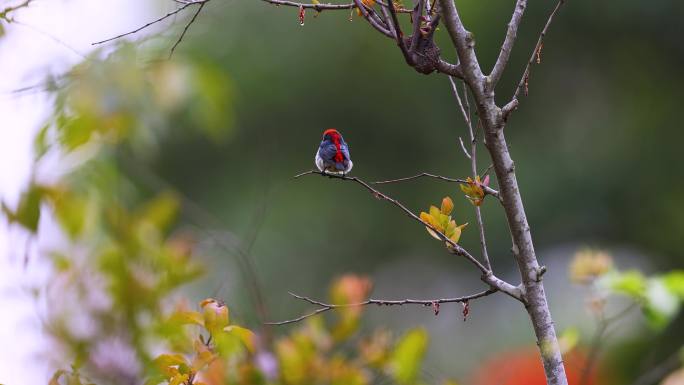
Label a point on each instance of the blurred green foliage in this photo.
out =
(144, 145)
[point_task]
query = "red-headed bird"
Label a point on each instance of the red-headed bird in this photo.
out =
(333, 154)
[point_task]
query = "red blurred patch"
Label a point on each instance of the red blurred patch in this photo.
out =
(523, 367)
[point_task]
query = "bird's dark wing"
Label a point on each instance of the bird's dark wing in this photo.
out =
(327, 151)
(345, 151)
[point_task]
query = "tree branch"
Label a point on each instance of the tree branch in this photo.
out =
(185, 30)
(473, 164)
(449, 69)
(416, 15)
(487, 190)
(507, 45)
(380, 302)
(318, 7)
(398, 34)
(536, 55)
(463, 41)
(371, 18)
(175, 11)
(10, 9)
(453, 247)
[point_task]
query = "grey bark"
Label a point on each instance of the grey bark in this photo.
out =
(482, 88)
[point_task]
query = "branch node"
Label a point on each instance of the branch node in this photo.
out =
(540, 272)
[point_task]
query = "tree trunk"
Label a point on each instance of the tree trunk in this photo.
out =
(523, 248)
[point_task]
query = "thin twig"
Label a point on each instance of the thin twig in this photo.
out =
(51, 37)
(416, 15)
(187, 26)
(175, 11)
(372, 19)
(380, 302)
(458, 99)
(512, 105)
(487, 190)
(465, 151)
(603, 323)
(472, 155)
(398, 34)
(456, 248)
(507, 46)
(453, 247)
(317, 7)
(5, 11)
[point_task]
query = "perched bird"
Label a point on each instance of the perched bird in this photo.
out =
(333, 154)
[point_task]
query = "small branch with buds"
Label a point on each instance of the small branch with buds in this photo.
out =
(434, 303)
(534, 57)
(472, 156)
(487, 190)
(453, 247)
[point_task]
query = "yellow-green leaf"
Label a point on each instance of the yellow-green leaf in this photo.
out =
(188, 317)
(163, 361)
(434, 212)
(407, 356)
(245, 335)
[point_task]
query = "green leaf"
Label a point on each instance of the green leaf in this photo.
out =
(568, 339)
(40, 143)
(185, 317)
(407, 356)
(28, 210)
(161, 211)
(243, 334)
(164, 361)
(435, 212)
(674, 282)
(631, 283)
(71, 212)
(74, 132)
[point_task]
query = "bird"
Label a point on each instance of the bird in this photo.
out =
(333, 154)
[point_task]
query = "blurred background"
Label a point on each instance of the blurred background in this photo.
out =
(239, 109)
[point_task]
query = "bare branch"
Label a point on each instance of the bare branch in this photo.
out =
(317, 7)
(466, 116)
(185, 30)
(320, 6)
(453, 247)
(457, 249)
(513, 104)
(388, 18)
(465, 152)
(398, 34)
(50, 36)
(373, 19)
(380, 302)
(417, 15)
(462, 40)
(507, 45)
(449, 69)
(487, 190)
(10, 9)
(175, 11)
(473, 164)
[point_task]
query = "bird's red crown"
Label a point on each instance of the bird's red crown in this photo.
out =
(331, 131)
